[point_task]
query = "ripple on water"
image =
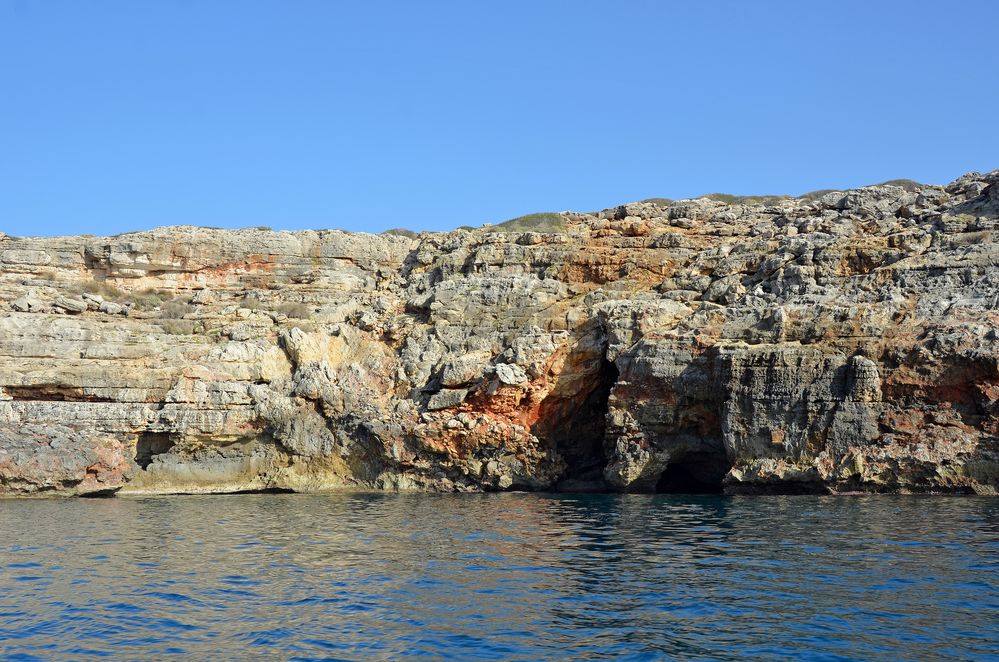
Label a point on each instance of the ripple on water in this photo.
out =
(512, 576)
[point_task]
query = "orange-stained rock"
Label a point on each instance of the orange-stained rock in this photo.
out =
(836, 344)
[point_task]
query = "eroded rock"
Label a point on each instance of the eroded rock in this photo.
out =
(843, 343)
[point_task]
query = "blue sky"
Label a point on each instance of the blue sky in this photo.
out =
(122, 115)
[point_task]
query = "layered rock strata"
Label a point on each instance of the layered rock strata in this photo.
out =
(843, 342)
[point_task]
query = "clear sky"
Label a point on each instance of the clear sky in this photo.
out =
(368, 115)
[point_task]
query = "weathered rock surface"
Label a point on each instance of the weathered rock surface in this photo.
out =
(844, 343)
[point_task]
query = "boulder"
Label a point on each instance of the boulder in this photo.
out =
(70, 305)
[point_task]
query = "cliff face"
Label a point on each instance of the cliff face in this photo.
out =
(843, 343)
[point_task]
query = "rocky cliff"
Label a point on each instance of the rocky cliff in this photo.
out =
(840, 342)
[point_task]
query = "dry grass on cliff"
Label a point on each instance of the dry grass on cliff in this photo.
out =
(143, 300)
(730, 199)
(909, 185)
(98, 287)
(540, 222)
(295, 310)
(147, 299)
(176, 308)
(289, 309)
(659, 202)
(251, 302)
(402, 232)
(179, 327)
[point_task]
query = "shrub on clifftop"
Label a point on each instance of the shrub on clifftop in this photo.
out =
(540, 222)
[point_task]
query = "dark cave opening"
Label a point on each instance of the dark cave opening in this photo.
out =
(149, 445)
(576, 427)
(695, 473)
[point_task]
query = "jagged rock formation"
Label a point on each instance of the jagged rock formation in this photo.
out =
(837, 343)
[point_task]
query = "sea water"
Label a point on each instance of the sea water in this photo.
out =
(500, 576)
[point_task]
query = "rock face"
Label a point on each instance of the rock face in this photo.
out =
(845, 342)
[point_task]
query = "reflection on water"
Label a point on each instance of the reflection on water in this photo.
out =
(502, 576)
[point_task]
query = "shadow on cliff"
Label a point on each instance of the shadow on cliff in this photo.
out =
(695, 473)
(573, 417)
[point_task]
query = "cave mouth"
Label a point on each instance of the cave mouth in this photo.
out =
(149, 445)
(695, 473)
(576, 427)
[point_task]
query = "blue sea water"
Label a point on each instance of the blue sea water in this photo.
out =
(501, 576)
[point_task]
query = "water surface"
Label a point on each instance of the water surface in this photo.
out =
(502, 576)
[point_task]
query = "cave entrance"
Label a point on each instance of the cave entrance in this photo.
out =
(149, 445)
(695, 473)
(576, 426)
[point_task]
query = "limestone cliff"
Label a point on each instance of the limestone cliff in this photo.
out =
(839, 342)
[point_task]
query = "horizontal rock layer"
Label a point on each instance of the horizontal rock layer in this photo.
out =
(839, 343)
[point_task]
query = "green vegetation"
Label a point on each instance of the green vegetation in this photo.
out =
(730, 199)
(148, 299)
(540, 222)
(661, 202)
